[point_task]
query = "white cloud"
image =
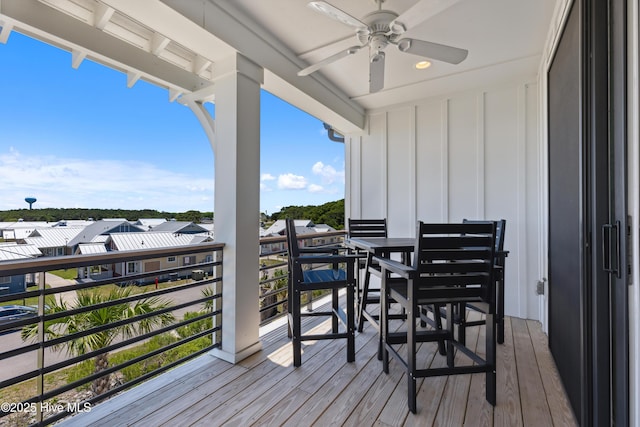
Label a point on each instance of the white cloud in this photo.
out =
(314, 188)
(267, 177)
(59, 182)
(290, 181)
(328, 173)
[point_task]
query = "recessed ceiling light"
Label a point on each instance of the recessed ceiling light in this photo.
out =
(422, 65)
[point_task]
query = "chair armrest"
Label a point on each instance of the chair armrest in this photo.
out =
(322, 249)
(327, 259)
(404, 271)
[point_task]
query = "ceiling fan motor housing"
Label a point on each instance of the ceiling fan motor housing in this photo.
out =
(378, 33)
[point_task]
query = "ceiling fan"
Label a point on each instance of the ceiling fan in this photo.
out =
(381, 28)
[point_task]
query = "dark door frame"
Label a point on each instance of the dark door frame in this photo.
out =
(601, 289)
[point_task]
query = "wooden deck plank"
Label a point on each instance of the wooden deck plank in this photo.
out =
(329, 358)
(508, 411)
(479, 412)
(455, 396)
(559, 405)
(327, 393)
(166, 389)
(535, 410)
(265, 390)
(223, 403)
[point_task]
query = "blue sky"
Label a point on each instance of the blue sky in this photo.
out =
(79, 138)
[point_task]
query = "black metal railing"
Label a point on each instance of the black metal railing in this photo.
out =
(274, 271)
(52, 375)
(162, 313)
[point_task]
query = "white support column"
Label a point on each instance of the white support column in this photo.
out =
(237, 202)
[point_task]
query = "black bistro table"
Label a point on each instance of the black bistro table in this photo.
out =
(381, 247)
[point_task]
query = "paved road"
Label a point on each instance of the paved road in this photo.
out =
(27, 362)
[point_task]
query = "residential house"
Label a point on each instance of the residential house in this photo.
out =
(303, 226)
(183, 265)
(52, 241)
(11, 252)
(149, 223)
(179, 227)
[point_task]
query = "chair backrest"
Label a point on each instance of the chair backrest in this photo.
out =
(292, 239)
(293, 250)
(456, 260)
(501, 224)
(367, 227)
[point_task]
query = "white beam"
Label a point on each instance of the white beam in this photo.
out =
(174, 94)
(132, 78)
(102, 16)
(77, 57)
(207, 93)
(5, 31)
(200, 64)
(158, 43)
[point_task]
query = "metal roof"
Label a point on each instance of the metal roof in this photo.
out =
(52, 237)
(13, 251)
(92, 248)
(150, 239)
(104, 227)
(179, 227)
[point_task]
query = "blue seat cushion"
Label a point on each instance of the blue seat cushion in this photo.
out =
(324, 275)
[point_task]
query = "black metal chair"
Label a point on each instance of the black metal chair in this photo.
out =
(317, 270)
(366, 295)
(499, 266)
(453, 264)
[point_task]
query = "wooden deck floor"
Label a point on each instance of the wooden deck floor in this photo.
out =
(265, 389)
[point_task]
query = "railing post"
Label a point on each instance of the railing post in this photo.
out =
(40, 378)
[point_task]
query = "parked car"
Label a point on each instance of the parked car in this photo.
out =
(13, 313)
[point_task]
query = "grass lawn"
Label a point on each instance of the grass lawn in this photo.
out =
(69, 273)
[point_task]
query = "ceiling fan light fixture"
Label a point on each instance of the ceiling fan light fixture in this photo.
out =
(422, 65)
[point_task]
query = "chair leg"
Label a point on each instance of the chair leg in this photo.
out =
(351, 332)
(450, 326)
(335, 307)
(383, 353)
(437, 317)
(297, 328)
(411, 356)
(490, 381)
(462, 322)
(364, 293)
(290, 298)
(500, 310)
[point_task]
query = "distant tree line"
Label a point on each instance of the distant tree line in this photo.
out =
(54, 215)
(331, 213)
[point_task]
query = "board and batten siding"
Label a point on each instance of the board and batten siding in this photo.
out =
(472, 155)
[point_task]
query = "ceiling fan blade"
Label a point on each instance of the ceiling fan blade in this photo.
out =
(418, 13)
(337, 14)
(376, 72)
(315, 67)
(440, 52)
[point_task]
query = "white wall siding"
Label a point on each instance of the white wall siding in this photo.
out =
(469, 155)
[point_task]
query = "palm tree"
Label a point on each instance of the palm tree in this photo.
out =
(74, 323)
